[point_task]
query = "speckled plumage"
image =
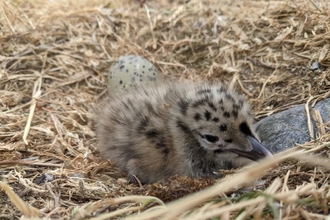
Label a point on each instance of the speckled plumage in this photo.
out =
(172, 128)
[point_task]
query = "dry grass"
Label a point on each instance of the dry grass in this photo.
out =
(54, 59)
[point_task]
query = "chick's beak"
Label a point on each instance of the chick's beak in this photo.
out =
(258, 151)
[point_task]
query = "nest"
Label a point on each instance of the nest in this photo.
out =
(55, 56)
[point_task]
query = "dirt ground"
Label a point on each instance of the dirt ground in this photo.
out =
(55, 56)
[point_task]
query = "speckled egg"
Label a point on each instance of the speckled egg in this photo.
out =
(130, 71)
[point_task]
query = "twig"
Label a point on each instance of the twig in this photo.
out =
(22, 162)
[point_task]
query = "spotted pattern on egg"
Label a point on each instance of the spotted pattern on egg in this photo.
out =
(130, 71)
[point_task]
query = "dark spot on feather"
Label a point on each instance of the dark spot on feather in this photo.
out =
(212, 106)
(240, 103)
(236, 107)
(226, 114)
(183, 105)
(230, 97)
(183, 127)
(152, 133)
(166, 151)
(158, 139)
(151, 108)
(221, 90)
(207, 115)
(215, 119)
(143, 124)
(199, 102)
(197, 117)
(235, 114)
(223, 127)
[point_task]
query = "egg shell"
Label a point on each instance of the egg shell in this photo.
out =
(130, 71)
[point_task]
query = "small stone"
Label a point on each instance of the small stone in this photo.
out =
(315, 66)
(286, 129)
(44, 178)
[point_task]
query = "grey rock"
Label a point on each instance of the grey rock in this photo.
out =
(286, 129)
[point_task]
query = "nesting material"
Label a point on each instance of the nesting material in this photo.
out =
(55, 57)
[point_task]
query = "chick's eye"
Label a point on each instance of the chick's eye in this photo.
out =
(211, 138)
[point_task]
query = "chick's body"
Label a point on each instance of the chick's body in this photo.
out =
(172, 128)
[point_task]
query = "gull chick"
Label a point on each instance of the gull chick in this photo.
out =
(173, 128)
